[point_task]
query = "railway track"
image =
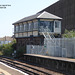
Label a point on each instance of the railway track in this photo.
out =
(27, 68)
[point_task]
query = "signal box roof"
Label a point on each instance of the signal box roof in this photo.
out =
(42, 15)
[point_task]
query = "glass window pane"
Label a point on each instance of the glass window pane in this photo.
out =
(29, 26)
(21, 27)
(35, 25)
(17, 28)
(57, 24)
(51, 26)
(25, 27)
(47, 26)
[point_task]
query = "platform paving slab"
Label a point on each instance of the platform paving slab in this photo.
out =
(6, 70)
(3, 72)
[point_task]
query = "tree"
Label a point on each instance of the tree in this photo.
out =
(7, 49)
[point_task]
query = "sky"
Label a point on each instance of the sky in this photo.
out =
(18, 10)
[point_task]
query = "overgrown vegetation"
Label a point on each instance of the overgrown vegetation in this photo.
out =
(69, 34)
(20, 52)
(7, 49)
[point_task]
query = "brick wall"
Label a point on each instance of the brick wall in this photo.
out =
(22, 42)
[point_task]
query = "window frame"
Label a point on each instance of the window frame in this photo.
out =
(57, 24)
(17, 28)
(30, 26)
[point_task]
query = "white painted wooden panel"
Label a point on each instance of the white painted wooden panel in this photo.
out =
(16, 35)
(35, 33)
(29, 33)
(57, 30)
(25, 34)
(20, 35)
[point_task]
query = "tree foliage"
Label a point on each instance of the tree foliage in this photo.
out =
(7, 49)
(20, 52)
(69, 34)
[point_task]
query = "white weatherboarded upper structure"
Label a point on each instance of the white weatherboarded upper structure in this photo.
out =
(35, 24)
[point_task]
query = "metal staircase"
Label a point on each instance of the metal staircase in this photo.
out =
(48, 36)
(47, 33)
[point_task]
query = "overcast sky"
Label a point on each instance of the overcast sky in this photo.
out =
(18, 10)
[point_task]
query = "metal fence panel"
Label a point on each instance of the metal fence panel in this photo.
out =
(60, 47)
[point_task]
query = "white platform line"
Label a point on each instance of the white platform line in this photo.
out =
(13, 68)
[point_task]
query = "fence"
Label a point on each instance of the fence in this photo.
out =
(60, 47)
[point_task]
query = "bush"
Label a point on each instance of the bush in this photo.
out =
(20, 52)
(69, 34)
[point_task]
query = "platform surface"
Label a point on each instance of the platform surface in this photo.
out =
(6, 70)
(3, 72)
(55, 58)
